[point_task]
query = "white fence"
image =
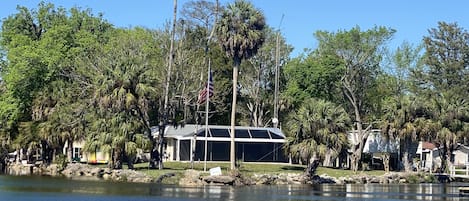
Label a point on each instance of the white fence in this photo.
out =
(460, 172)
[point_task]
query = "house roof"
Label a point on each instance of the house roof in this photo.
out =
(462, 147)
(425, 147)
(375, 142)
(222, 133)
(428, 145)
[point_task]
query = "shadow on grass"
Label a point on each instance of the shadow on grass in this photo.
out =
(294, 168)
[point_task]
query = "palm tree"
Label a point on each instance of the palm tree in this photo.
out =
(399, 122)
(125, 80)
(317, 130)
(240, 33)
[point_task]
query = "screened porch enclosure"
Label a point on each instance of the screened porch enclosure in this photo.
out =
(252, 144)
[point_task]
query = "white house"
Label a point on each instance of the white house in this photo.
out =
(429, 156)
(376, 145)
(460, 156)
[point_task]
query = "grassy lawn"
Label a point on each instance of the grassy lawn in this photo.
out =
(248, 168)
(175, 167)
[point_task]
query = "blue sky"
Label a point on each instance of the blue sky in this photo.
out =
(410, 18)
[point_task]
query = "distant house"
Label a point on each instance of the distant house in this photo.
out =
(375, 146)
(460, 155)
(253, 144)
(429, 156)
(94, 157)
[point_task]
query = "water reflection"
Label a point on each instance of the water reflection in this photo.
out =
(403, 191)
(43, 188)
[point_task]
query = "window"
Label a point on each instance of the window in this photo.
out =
(242, 134)
(219, 132)
(260, 134)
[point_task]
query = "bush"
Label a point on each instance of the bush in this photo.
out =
(61, 161)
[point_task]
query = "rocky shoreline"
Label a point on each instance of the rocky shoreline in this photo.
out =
(199, 178)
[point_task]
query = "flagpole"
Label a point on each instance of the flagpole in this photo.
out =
(206, 115)
(194, 143)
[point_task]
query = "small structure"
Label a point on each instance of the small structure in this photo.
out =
(94, 157)
(379, 151)
(429, 156)
(460, 155)
(253, 144)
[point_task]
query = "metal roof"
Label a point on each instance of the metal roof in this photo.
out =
(222, 133)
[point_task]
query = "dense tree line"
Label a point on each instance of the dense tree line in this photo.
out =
(69, 75)
(415, 93)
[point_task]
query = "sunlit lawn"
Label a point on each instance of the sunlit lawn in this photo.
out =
(175, 167)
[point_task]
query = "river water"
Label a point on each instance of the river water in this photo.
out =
(26, 188)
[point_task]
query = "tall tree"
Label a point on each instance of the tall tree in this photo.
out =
(240, 33)
(360, 54)
(42, 48)
(257, 82)
(315, 76)
(124, 76)
(443, 81)
(399, 103)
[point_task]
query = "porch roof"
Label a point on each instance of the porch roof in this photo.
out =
(222, 133)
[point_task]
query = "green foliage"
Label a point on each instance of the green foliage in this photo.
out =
(442, 83)
(61, 161)
(315, 128)
(69, 75)
(257, 80)
(314, 76)
(421, 178)
(240, 31)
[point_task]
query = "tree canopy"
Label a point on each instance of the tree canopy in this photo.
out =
(69, 75)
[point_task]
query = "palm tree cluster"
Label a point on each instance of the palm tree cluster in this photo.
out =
(320, 131)
(417, 93)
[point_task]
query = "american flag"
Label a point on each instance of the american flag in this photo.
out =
(208, 88)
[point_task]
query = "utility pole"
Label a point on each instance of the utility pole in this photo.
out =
(164, 121)
(277, 55)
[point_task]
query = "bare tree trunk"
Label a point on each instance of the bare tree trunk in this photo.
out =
(233, 115)
(117, 159)
(18, 156)
(313, 164)
(354, 161)
(166, 91)
(407, 165)
(357, 150)
(386, 158)
(327, 159)
(70, 150)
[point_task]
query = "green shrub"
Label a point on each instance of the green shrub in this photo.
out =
(413, 179)
(61, 161)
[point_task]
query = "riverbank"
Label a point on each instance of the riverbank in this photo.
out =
(190, 177)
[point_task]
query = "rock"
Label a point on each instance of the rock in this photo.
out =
(167, 175)
(384, 180)
(96, 172)
(106, 176)
(191, 178)
(266, 179)
(374, 180)
(223, 180)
